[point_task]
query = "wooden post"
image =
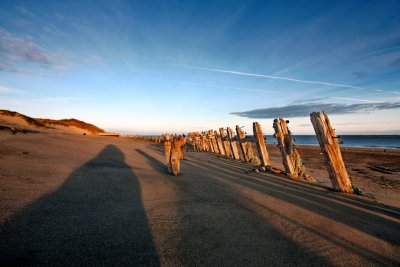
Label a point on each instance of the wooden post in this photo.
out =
(261, 146)
(226, 143)
(234, 148)
(291, 158)
(204, 142)
(209, 141)
(219, 143)
(213, 141)
(176, 156)
(167, 152)
(243, 144)
(196, 146)
(330, 148)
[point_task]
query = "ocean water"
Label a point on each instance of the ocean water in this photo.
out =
(382, 141)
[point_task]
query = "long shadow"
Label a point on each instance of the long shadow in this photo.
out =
(307, 198)
(157, 165)
(216, 229)
(95, 218)
(380, 228)
(307, 187)
(355, 215)
(304, 187)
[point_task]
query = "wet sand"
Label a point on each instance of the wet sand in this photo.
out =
(83, 200)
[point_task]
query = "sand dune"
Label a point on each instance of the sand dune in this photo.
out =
(72, 199)
(16, 122)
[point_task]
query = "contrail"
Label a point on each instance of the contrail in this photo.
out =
(234, 88)
(284, 78)
(272, 77)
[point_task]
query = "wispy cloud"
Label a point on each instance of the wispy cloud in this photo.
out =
(355, 99)
(21, 48)
(272, 77)
(304, 110)
(16, 50)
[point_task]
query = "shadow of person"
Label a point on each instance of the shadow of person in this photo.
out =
(95, 218)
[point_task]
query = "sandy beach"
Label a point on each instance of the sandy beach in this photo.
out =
(68, 199)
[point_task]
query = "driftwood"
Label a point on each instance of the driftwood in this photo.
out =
(261, 146)
(226, 143)
(234, 144)
(330, 148)
(291, 158)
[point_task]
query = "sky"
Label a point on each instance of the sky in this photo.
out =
(150, 67)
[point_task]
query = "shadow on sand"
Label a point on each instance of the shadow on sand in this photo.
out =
(216, 229)
(371, 219)
(95, 218)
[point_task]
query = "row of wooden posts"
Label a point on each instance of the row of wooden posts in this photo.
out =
(224, 143)
(157, 139)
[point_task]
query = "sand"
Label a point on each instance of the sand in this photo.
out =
(70, 199)
(376, 171)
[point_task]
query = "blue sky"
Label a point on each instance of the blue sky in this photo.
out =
(177, 66)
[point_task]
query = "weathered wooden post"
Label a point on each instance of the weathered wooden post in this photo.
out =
(219, 143)
(213, 141)
(167, 152)
(176, 156)
(291, 158)
(210, 144)
(192, 140)
(330, 148)
(245, 146)
(197, 142)
(234, 144)
(225, 143)
(261, 146)
(203, 142)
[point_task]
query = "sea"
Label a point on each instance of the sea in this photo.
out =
(373, 141)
